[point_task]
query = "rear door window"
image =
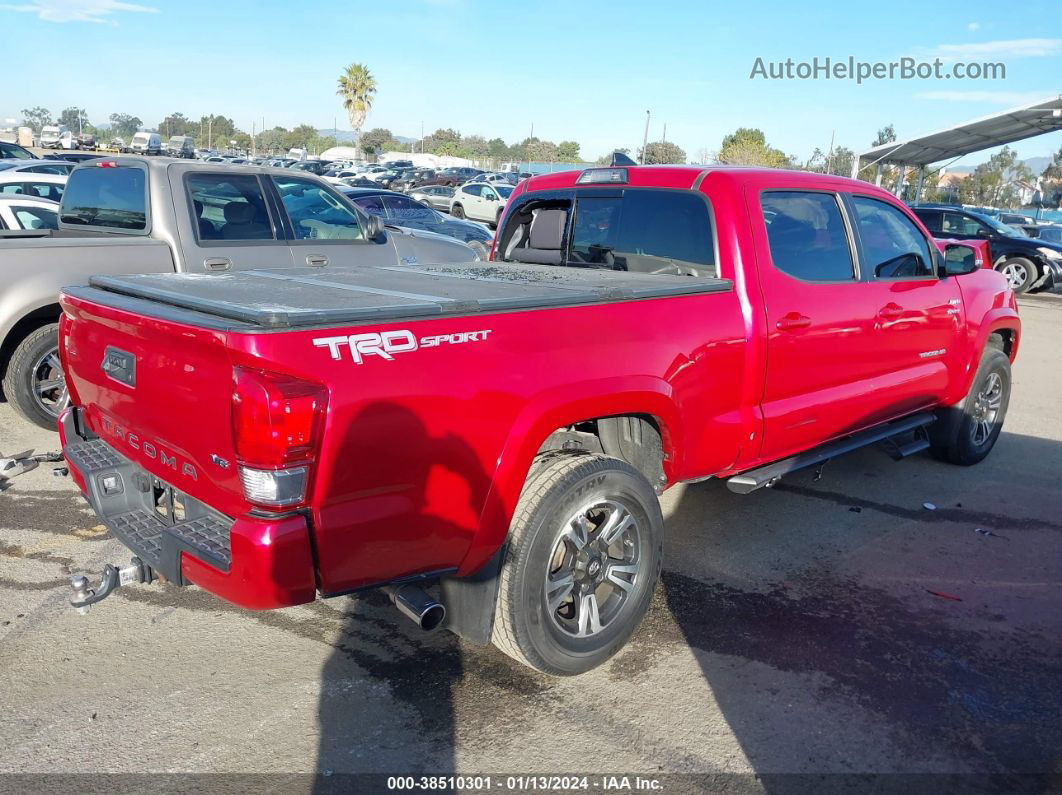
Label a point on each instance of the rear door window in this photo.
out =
(931, 218)
(228, 207)
(35, 217)
(315, 212)
(401, 208)
(891, 244)
(807, 236)
(114, 197)
(373, 205)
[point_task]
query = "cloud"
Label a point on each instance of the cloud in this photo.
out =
(1008, 99)
(973, 26)
(77, 10)
(1008, 48)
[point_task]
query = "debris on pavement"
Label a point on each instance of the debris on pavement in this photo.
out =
(13, 466)
(979, 531)
(942, 595)
(929, 506)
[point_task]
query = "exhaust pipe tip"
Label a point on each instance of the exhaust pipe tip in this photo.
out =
(416, 605)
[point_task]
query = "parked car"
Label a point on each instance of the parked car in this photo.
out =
(144, 214)
(480, 202)
(317, 167)
(505, 428)
(57, 137)
(77, 157)
(14, 182)
(1028, 263)
(397, 165)
(436, 196)
(410, 177)
(1050, 234)
(86, 141)
(1014, 219)
(146, 143)
(181, 146)
(60, 167)
(25, 213)
(403, 211)
(118, 143)
(11, 151)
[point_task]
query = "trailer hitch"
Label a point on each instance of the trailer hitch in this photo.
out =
(113, 578)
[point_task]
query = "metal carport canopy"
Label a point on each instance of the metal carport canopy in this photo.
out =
(972, 136)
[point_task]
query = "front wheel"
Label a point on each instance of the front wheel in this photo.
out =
(457, 211)
(1020, 273)
(34, 382)
(582, 561)
(983, 412)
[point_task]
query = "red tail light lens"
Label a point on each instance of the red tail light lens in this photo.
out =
(276, 419)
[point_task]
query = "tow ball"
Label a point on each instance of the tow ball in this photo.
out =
(113, 578)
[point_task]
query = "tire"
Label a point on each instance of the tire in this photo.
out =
(1019, 272)
(457, 211)
(548, 547)
(35, 364)
(983, 412)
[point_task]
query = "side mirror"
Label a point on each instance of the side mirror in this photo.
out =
(373, 228)
(960, 259)
(983, 231)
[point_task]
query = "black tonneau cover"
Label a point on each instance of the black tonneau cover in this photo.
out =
(297, 297)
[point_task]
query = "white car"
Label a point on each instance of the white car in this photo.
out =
(480, 201)
(15, 182)
(24, 212)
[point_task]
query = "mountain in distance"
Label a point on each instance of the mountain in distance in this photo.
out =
(347, 136)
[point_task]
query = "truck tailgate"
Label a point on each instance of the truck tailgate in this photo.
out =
(158, 392)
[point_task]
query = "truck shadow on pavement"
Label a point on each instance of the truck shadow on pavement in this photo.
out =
(818, 667)
(814, 666)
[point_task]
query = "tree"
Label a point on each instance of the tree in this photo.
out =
(1051, 181)
(838, 162)
(604, 160)
(886, 135)
(498, 149)
(357, 87)
(37, 118)
(125, 124)
(74, 119)
(375, 140)
(568, 152)
(215, 130)
(662, 152)
(302, 137)
(748, 146)
(272, 140)
(175, 124)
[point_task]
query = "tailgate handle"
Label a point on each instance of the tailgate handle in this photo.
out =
(316, 260)
(217, 263)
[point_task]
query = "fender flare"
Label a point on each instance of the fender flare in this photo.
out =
(545, 413)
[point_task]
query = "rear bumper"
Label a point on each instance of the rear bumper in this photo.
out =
(252, 562)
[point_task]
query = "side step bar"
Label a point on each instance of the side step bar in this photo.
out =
(768, 475)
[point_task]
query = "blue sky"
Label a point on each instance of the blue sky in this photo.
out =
(585, 70)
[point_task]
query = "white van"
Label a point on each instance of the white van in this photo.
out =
(297, 154)
(146, 143)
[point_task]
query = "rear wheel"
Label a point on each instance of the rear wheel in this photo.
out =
(34, 382)
(1020, 273)
(457, 211)
(983, 412)
(582, 560)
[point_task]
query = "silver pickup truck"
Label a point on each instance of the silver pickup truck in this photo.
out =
(151, 215)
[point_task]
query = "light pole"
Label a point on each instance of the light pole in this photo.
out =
(645, 137)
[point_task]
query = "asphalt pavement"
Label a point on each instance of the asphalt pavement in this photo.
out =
(830, 626)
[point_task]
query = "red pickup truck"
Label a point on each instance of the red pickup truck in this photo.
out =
(487, 441)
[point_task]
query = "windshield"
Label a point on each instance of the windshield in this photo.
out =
(1003, 229)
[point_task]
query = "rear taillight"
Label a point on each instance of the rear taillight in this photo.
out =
(277, 422)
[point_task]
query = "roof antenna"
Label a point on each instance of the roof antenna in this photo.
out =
(620, 159)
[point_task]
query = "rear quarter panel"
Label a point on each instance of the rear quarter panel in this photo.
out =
(424, 456)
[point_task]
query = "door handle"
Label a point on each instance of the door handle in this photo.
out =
(793, 321)
(890, 311)
(217, 263)
(316, 260)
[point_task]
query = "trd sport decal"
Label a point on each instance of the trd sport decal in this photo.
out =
(391, 342)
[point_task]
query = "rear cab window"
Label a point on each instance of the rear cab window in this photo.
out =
(639, 230)
(111, 197)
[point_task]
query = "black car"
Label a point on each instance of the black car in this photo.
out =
(458, 175)
(400, 210)
(1030, 264)
(317, 167)
(408, 178)
(79, 157)
(11, 151)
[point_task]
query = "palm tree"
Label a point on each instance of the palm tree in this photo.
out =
(357, 86)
